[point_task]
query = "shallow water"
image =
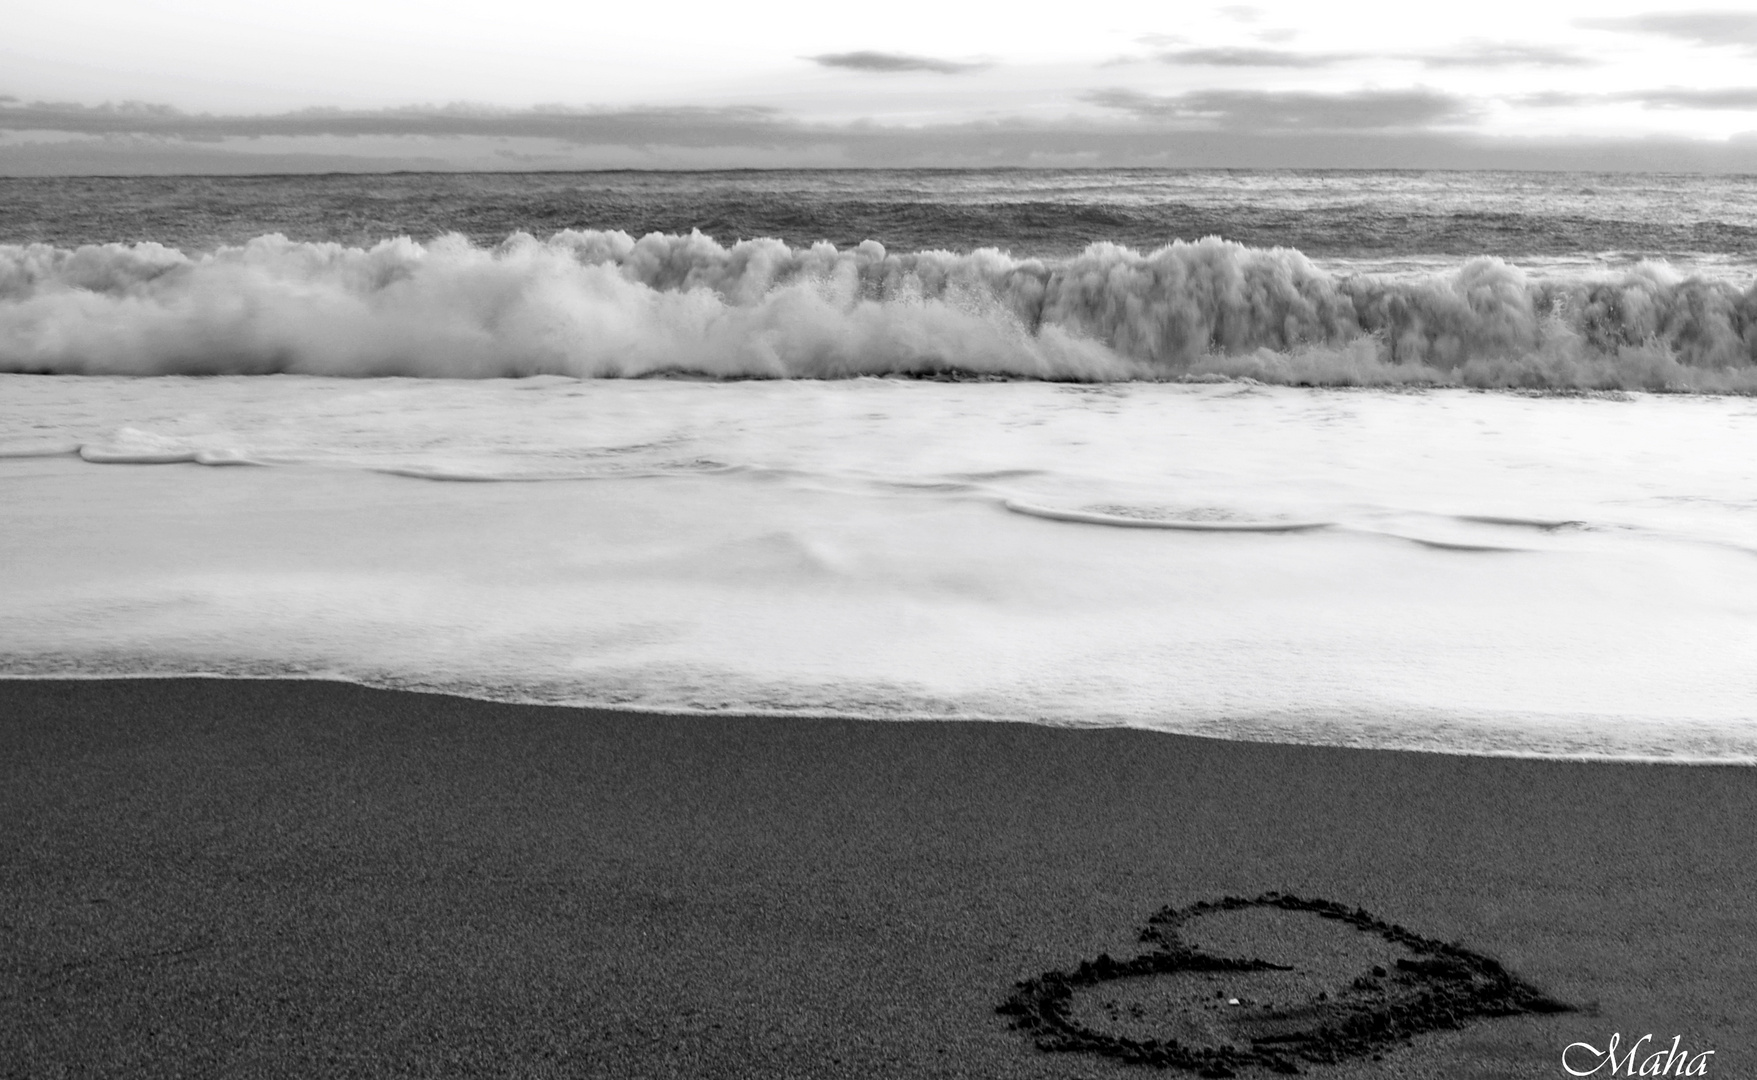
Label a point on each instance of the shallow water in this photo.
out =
(1260, 502)
(1445, 569)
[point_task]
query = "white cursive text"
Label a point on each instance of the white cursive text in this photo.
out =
(1658, 1063)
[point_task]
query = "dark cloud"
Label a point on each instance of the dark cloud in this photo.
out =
(892, 62)
(1247, 57)
(1700, 27)
(1270, 111)
(1489, 54)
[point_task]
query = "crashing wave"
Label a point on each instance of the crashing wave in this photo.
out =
(604, 304)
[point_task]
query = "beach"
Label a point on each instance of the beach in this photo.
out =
(302, 878)
(1013, 624)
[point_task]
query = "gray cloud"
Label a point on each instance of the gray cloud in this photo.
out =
(1673, 97)
(1744, 97)
(743, 125)
(1699, 27)
(1204, 129)
(1272, 111)
(1247, 57)
(716, 139)
(1482, 54)
(866, 60)
(1504, 54)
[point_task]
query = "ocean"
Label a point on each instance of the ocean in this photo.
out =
(1446, 461)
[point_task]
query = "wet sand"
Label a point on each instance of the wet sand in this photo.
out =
(241, 878)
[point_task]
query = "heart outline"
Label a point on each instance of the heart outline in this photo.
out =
(1461, 986)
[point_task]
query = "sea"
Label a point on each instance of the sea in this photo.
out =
(1454, 462)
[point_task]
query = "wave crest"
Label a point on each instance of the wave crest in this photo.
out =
(604, 304)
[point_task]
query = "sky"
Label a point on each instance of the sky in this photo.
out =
(222, 86)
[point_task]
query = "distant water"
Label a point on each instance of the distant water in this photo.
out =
(1604, 218)
(1375, 555)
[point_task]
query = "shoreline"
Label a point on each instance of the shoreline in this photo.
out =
(295, 877)
(1333, 735)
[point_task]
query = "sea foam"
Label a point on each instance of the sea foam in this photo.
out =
(1443, 570)
(603, 304)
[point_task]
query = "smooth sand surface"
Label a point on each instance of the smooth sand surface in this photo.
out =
(218, 878)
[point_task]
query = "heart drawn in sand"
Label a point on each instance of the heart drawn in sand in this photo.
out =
(1266, 982)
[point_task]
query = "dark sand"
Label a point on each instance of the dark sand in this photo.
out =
(202, 878)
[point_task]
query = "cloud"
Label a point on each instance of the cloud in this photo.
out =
(1553, 99)
(1010, 143)
(1673, 97)
(1698, 27)
(1504, 54)
(680, 126)
(1483, 54)
(1203, 129)
(1247, 57)
(866, 60)
(1743, 97)
(1269, 111)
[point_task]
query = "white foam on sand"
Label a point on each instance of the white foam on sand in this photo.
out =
(1445, 570)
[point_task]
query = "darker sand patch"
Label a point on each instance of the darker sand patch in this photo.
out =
(1267, 982)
